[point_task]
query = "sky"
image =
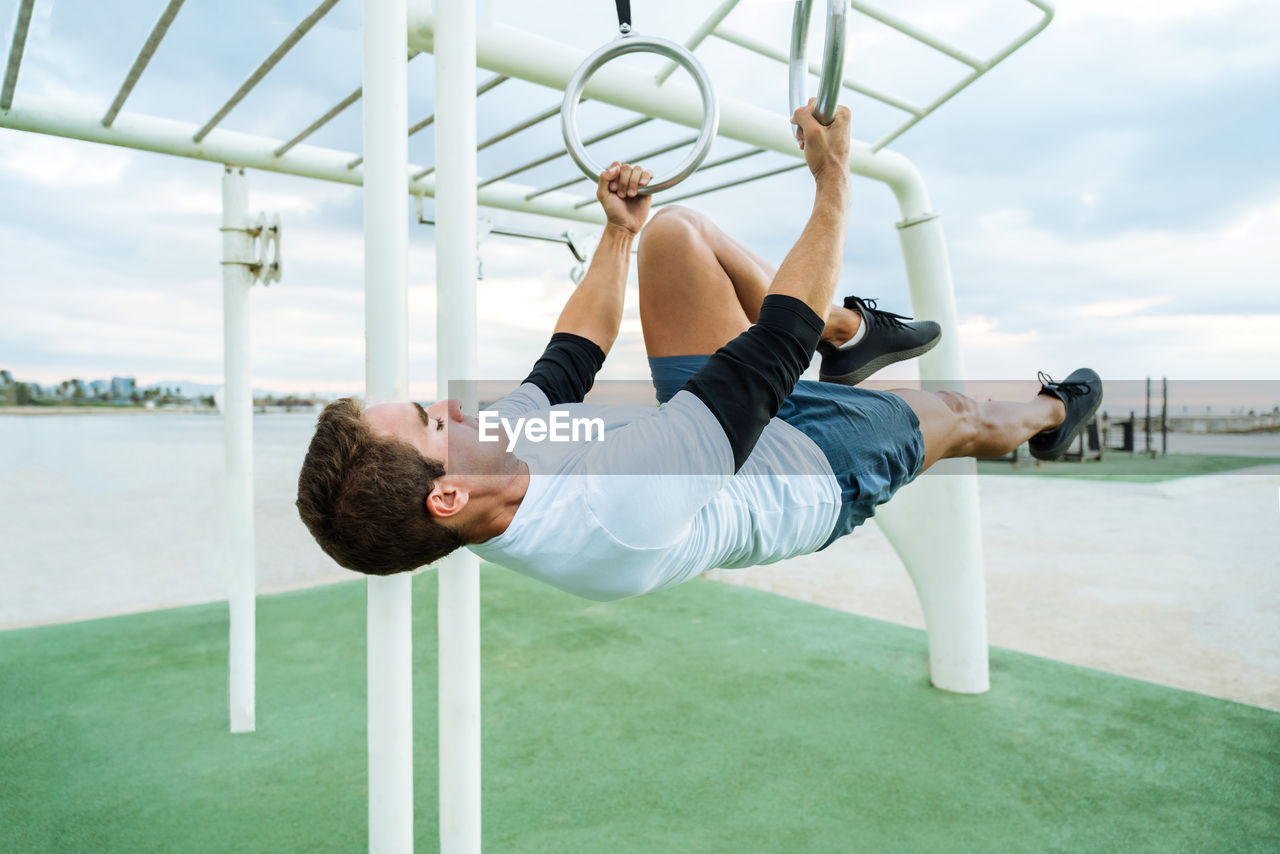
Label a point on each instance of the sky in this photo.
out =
(1110, 193)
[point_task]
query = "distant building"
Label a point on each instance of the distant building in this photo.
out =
(123, 387)
(99, 388)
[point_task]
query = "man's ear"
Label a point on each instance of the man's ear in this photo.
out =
(447, 498)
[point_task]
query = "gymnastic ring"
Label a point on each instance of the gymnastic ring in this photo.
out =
(640, 44)
(832, 59)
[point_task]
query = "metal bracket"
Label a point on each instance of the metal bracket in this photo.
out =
(268, 269)
(917, 220)
(267, 265)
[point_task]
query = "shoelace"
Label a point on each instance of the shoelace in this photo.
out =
(868, 307)
(1075, 389)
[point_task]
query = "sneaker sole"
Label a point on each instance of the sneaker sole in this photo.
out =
(877, 363)
(1050, 454)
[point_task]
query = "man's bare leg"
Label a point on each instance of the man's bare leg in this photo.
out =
(699, 288)
(954, 425)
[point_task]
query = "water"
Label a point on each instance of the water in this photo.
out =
(108, 514)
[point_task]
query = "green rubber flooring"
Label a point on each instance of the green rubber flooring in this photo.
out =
(707, 718)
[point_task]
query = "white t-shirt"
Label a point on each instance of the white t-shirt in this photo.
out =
(592, 526)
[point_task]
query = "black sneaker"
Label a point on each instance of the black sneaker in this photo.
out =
(1081, 393)
(888, 339)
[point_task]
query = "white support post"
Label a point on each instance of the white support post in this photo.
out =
(459, 575)
(386, 242)
(237, 427)
(945, 565)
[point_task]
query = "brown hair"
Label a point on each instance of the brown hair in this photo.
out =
(363, 496)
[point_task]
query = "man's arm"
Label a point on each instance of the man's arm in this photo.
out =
(745, 382)
(589, 322)
(594, 311)
(811, 269)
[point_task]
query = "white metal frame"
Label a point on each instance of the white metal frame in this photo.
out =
(386, 246)
(237, 428)
(458, 602)
(713, 26)
(945, 566)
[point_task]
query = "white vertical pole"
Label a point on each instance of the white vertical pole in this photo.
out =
(933, 296)
(946, 566)
(237, 428)
(386, 243)
(459, 598)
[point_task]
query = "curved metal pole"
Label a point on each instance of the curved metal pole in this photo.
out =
(947, 566)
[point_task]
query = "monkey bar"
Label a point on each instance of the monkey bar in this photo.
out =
(945, 567)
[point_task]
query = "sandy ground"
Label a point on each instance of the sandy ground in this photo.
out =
(1176, 582)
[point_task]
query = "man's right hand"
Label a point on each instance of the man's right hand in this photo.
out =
(618, 191)
(826, 149)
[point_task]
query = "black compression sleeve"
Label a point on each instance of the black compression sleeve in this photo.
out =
(567, 368)
(745, 382)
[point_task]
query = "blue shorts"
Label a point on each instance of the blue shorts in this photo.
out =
(871, 439)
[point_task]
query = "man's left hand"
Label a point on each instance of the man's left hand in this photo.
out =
(619, 193)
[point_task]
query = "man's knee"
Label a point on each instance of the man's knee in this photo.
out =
(672, 214)
(672, 229)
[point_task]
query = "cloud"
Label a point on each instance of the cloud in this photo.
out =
(984, 335)
(1240, 257)
(50, 161)
(1195, 303)
(1160, 14)
(1119, 307)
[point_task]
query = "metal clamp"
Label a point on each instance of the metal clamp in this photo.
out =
(267, 235)
(640, 44)
(265, 264)
(832, 59)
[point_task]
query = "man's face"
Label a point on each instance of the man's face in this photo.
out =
(440, 432)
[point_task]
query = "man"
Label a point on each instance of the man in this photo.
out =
(741, 464)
